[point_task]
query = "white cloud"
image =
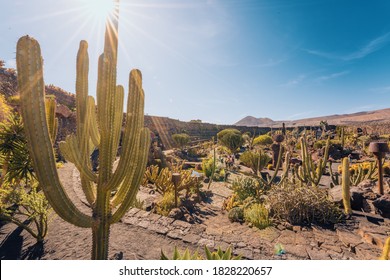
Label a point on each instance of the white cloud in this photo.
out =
(371, 47)
(332, 76)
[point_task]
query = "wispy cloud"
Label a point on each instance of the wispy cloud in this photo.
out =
(380, 89)
(331, 76)
(369, 48)
(295, 81)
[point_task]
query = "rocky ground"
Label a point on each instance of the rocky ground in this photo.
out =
(142, 235)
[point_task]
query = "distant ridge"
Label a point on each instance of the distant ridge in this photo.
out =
(377, 116)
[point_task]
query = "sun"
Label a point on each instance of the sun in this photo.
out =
(99, 9)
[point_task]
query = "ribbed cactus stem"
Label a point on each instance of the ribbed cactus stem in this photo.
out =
(102, 131)
(31, 87)
(386, 250)
(52, 121)
(345, 183)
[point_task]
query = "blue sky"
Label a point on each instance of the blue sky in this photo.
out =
(221, 60)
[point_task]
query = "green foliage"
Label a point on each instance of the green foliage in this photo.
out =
(299, 204)
(245, 187)
(216, 255)
(166, 204)
(181, 139)
(255, 160)
(231, 139)
(16, 161)
(263, 140)
(31, 212)
(257, 215)
(162, 180)
(208, 166)
(5, 109)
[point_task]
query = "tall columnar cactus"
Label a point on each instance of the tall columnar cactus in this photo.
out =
(310, 172)
(345, 183)
(386, 250)
(101, 131)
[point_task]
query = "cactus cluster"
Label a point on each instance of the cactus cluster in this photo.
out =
(100, 131)
(311, 172)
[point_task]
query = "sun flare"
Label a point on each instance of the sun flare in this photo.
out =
(99, 9)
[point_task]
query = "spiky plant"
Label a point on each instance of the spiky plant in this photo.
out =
(345, 183)
(101, 131)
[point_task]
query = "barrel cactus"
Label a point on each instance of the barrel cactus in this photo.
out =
(110, 193)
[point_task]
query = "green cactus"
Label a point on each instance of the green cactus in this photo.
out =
(345, 183)
(216, 255)
(104, 133)
(342, 136)
(334, 176)
(52, 121)
(310, 172)
(386, 250)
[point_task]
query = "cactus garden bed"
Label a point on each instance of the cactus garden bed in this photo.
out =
(142, 234)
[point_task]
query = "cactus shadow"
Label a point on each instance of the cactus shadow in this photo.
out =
(34, 252)
(11, 246)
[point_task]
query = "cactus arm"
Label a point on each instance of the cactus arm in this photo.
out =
(386, 250)
(286, 168)
(52, 121)
(135, 179)
(89, 190)
(93, 127)
(106, 90)
(118, 117)
(31, 87)
(132, 170)
(334, 177)
(72, 153)
(345, 181)
(326, 155)
(82, 68)
(134, 122)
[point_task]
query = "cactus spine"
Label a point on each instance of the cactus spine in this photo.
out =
(345, 183)
(102, 132)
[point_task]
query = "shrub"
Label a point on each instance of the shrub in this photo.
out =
(236, 214)
(255, 160)
(231, 139)
(247, 187)
(263, 140)
(301, 204)
(257, 215)
(31, 205)
(166, 204)
(181, 139)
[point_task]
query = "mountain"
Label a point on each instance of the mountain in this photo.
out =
(369, 117)
(252, 121)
